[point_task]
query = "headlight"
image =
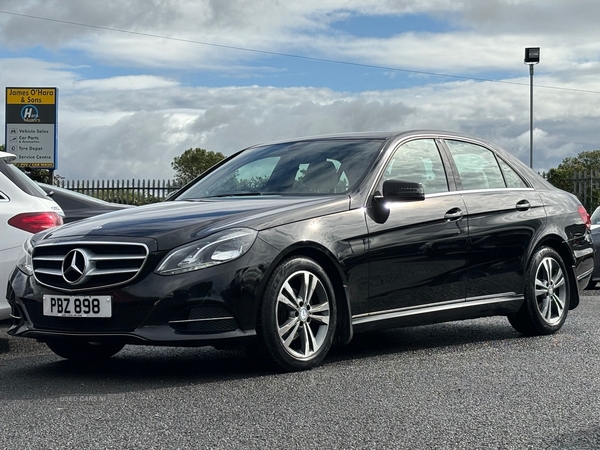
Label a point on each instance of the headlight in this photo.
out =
(25, 262)
(216, 249)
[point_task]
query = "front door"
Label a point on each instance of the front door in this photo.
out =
(418, 254)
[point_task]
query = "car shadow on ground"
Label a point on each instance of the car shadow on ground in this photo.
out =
(145, 368)
(450, 336)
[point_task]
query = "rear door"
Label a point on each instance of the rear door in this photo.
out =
(503, 213)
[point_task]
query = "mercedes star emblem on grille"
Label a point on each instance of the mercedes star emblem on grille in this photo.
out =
(74, 266)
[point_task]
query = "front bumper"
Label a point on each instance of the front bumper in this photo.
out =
(213, 306)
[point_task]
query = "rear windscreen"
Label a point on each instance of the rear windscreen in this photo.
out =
(21, 180)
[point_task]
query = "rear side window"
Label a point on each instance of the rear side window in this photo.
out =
(21, 180)
(477, 166)
(512, 178)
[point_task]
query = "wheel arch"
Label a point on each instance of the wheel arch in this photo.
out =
(562, 248)
(323, 257)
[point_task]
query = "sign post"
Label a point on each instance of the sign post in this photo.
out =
(31, 126)
(532, 57)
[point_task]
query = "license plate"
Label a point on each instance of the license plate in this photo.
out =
(78, 306)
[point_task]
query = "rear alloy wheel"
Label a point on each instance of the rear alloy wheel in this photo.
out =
(297, 316)
(547, 295)
(84, 351)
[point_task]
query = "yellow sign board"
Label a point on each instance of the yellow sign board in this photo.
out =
(30, 130)
(31, 96)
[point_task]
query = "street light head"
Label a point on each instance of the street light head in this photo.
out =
(532, 55)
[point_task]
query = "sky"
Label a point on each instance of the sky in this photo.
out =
(141, 81)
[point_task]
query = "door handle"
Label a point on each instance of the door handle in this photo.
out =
(523, 205)
(453, 215)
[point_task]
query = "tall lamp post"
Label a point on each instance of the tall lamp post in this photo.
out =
(532, 57)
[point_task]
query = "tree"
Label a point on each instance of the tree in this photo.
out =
(562, 177)
(193, 162)
(579, 175)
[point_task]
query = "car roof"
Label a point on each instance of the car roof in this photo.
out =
(383, 135)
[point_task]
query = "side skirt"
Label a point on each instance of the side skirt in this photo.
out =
(496, 305)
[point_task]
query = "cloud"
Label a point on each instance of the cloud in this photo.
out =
(133, 127)
(131, 101)
(137, 134)
(486, 35)
(36, 72)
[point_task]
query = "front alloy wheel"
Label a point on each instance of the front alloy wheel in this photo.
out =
(297, 318)
(302, 314)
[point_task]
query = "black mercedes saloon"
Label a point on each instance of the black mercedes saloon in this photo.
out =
(293, 246)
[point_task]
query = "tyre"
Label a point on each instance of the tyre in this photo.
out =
(84, 351)
(547, 295)
(297, 316)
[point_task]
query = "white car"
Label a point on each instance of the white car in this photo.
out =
(24, 209)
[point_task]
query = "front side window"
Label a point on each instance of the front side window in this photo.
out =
(418, 161)
(477, 166)
(319, 167)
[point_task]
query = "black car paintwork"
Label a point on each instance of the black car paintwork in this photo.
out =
(499, 237)
(417, 235)
(233, 288)
(175, 223)
(386, 265)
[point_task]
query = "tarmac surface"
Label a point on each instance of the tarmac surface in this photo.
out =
(473, 384)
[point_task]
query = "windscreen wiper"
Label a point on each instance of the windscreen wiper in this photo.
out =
(235, 194)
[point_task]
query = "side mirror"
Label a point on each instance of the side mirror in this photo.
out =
(403, 191)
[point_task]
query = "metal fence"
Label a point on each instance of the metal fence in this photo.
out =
(131, 192)
(586, 186)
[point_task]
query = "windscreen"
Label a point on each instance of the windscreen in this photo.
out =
(319, 167)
